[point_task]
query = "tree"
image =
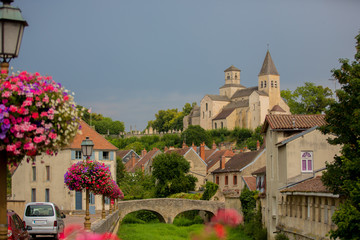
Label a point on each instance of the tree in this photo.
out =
(197, 135)
(170, 171)
(342, 176)
(308, 99)
(137, 185)
(120, 170)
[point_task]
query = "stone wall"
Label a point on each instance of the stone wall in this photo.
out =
(107, 224)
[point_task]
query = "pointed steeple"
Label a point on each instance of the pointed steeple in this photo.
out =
(268, 67)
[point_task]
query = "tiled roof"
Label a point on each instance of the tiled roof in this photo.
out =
(122, 153)
(232, 85)
(313, 185)
(289, 121)
(216, 157)
(262, 93)
(218, 97)
(239, 161)
(209, 153)
(181, 151)
(100, 143)
(145, 159)
(244, 92)
(224, 113)
(250, 182)
(231, 68)
(238, 104)
(268, 67)
(277, 108)
(259, 171)
(12, 169)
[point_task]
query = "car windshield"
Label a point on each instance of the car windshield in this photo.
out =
(39, 210)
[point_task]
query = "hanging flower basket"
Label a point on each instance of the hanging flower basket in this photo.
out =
(112, 190)
(36, 115)
(90, 175)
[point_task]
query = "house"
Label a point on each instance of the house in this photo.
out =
(238, 106)
(234, 174)
(295, 151)
(43, 180)
(145, 162)
(260, 175)
(306, 209)
(126, 155)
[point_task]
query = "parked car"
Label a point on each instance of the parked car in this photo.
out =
(16, 228)
(44, 218)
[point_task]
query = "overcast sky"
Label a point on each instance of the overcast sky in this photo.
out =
(129, 59)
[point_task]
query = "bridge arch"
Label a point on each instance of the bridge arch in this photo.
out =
(168, 208)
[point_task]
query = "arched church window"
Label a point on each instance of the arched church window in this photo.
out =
(272, 83)
(262, 84)
(206, 106)
(275, 84)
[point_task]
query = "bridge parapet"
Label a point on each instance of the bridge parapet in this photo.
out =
(168, 208)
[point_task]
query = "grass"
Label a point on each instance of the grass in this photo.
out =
(157, 231)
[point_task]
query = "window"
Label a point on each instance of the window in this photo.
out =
(78, 155)
(235, 76)
(105, 155)
(215, 125)
(262, 84)
(235, 180)
(107, 200)
(217, 180)
(272, 83)
(275, 84)
(226, 180)
(34, 173)
(47, 195)
(47, 173)
(209, 113)
(222, 125)
(206, 106)
(306, 161)
(203, 114)
(33, 194)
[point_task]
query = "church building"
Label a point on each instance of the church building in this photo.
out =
(238, 106)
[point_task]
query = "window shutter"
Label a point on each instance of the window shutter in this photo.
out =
(72, 155)
(100, 155)
(92, 156)
(112, 156)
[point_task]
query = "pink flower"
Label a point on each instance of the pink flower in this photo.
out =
(11, 148)
(228, 217)
(35, 115)
(6, 94)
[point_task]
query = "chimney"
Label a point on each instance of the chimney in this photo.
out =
(165, 148)
(221, 146)
(133, 160)
(213, 145)
(194, 147)
(223, 161)
(184, 145)
(202, 151)
(142, 167)
(143, 153)
(257, 145)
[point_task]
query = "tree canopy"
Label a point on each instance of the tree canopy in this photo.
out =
(197, 135)
(343, 174)
(308, 99)
(170, 170)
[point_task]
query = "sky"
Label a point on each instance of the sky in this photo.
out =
(129, 59)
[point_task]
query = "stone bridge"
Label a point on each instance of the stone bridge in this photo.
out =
(168, 208)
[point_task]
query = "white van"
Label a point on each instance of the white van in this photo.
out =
(43, 218)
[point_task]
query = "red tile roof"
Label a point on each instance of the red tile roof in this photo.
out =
(145, 159)
(250, 181)
(289, 121)
(260, 171)
(100, 143)
(216, 157)
(311, 185)
(122, 153)
(277, 108)
(181, 151)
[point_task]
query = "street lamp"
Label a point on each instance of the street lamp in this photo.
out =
(11, 31)
(87, 148)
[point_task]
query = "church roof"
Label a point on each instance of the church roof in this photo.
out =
(244, 92)
(224, 113)
(238, 104)
(262, 93)
(232, 85)
(232, 68)
(218, 97)
(277, 108)
(195, 112)
(268, 67)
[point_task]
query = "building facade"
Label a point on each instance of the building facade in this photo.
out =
(238, 106)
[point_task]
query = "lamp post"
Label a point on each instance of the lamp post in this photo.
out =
(11, 31)
(87, 147)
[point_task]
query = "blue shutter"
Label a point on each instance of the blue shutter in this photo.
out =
(92, 156)
(112, 155)
(72, 155)
(100, 155)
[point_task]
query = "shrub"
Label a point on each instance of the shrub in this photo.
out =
(131, 219)
(182, 221)
(146, 216)
(210, 190)
(281, 236)
(193, 196)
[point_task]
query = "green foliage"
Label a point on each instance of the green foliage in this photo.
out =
(197, 135)
(131, 219)
(137, 185)
(192, 196)
(253, 224)
(120, 170)
(210, 190)
(308, 99)
(342, 176)
(170, 172)
(281, 236)
(248, 203)
(136, 146)
(173, 140)
(183, 221)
